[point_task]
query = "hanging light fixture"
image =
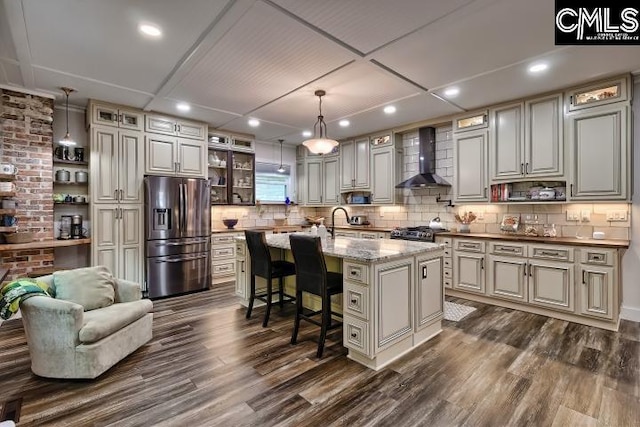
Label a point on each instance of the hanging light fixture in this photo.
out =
(67, 140)
(281, 169)
(320, 144)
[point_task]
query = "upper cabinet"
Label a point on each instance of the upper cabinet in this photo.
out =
(165, 155)
(603, 93)
(173, 126)
(600, 153)
(470, 166)
(471, 121)
(354, 165)
(105, 114)
(383, 175)
(527, 140)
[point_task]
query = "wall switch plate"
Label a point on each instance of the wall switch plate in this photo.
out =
(617, 216)
(573, 215)
(585, 216)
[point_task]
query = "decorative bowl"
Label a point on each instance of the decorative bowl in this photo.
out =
(230, 222)
(22, 237)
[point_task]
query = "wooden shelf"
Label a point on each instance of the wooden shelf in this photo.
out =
(8, 229)
(7, 177)
(11, 212)
(70, 183)
(71, 203)
(44, 244)
(7, 193)
(69, 162)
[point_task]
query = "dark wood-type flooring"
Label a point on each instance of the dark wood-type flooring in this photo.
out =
(208, 366)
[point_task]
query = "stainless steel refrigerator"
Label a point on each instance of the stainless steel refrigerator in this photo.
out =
(178, 235)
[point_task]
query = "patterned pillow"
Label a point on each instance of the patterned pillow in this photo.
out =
(91, 287)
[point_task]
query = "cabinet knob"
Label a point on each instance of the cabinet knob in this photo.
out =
(354, 335)
(354, 301)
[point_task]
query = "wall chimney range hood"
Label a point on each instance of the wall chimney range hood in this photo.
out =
(426, 162)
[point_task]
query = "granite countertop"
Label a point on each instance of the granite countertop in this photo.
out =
(550, 240)
(363, 250)
(274, 228)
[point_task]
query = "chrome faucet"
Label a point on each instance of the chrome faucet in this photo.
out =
(333, 219)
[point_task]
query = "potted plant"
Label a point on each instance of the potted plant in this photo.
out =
(464, 221)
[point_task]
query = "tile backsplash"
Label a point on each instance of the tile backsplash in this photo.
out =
(262, 216)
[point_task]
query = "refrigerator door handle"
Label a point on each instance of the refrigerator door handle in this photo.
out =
(180, 203)
(195, 242)
(184, 207)
(193, 258)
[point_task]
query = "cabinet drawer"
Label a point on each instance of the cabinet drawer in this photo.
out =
(356, 300)
(223, 238)
(446, 241)
(597, 256)
(447, 252)
(356, 335)
(447, 262)
(448, 283)
(469, 245)
(240, 248)
(224, 268)
(509, 249)
(447, 273)
(223, 252)
(558, 253)
(355, 272)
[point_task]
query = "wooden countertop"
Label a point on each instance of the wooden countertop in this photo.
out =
(547, 240)
(43, 244)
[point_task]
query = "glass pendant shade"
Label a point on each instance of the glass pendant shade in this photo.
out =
(321, 144)
(67, 140)
(281, 169)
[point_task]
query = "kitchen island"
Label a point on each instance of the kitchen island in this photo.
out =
(393, 293)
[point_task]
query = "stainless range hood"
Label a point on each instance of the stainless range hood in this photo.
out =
(426, 162)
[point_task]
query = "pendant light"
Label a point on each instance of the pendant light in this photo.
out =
(320, 144)
(67, 140)
(281, 169)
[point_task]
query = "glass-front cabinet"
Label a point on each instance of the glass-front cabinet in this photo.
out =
(217, 162)
(231, 172)
(242, 178)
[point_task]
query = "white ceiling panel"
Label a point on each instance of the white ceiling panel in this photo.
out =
(267, 131)
(350, 90)
(369, 24)
(100, 39)
(567, 67)
(215, 118)
(482, 37)
(264, 56)
(10, 73)
(7, 50)
(88, 89)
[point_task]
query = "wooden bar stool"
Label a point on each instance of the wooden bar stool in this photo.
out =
(312, 277)
(262, 266)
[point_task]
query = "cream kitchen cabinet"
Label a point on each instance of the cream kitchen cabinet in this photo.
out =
(447, 261)
(223, 257)
(330, 181)
(468, 266)
(600, 153)
(301, 180)
(174, 126)
(104, 114)
(470, 166)
(384, 172)
(429, 293)
(527, 140)
(598, 275)
(116, 165)
(117, 240)
(313, 181)
(354, 165)
(551, 284)
(165, 155)
(346, 233)
(598, 94)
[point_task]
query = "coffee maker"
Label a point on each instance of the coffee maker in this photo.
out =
(65, 227)
(76, 227)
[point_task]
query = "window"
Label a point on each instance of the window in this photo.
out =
(272, 186)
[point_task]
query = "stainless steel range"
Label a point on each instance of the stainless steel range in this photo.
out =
(419, 234)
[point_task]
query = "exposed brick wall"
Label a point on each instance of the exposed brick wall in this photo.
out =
(27, 142)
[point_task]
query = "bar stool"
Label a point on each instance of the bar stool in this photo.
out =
(262, 266)
(312, 277)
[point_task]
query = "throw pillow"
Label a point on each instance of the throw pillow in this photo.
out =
(91, 287)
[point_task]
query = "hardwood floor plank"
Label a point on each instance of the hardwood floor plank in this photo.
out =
(207, 365)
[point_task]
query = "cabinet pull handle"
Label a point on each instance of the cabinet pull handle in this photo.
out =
(179, 129)
(121, 213)
(530, 271)
(121, 194)
(115, 194)
(484, 192)
(481, 263)
(502, 248)
(521, 168)
(115, 212)
(527, 168)
(584, 277)
(571, 190)
(524, 271)
(571, 100)
(549, 253)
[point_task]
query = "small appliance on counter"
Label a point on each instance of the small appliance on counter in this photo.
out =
(76, 227)
(65, 227)
(358, 220)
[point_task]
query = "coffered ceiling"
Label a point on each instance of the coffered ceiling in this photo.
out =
(232, 60)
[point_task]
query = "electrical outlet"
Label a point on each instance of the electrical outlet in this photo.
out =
(573, 215)
(585, 216)
(480, 216)
(617, 216)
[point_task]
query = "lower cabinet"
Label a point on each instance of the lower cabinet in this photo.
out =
(117, 240)
(393, 289)
(243, 270)
(223, 257)
(581, 281)
(429, 297)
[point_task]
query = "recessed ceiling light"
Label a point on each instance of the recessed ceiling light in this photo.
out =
(344, 123)
(183, 106)
(389, 109)
(307, 133)
(452, 92)
(254, 123)
(150, 30)
(538, 68)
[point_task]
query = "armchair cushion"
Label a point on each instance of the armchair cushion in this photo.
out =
(91, 287)
(98, 324)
